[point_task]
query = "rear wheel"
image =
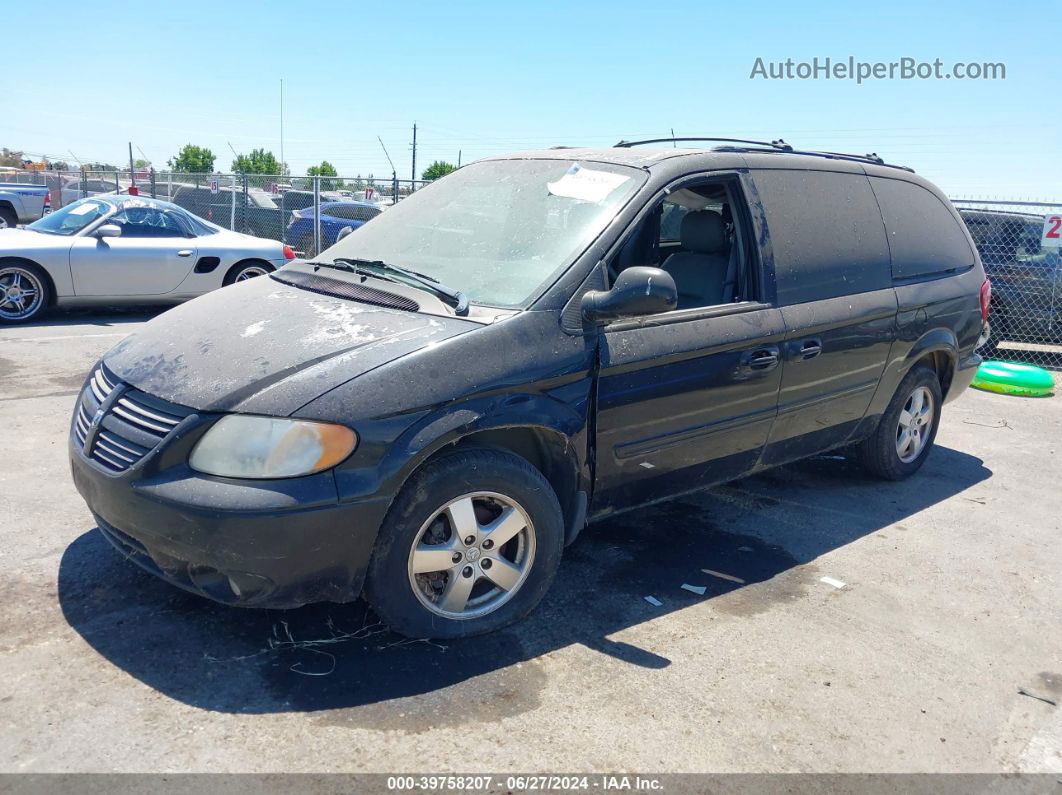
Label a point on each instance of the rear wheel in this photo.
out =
(24, 292)
(904, 436)
(248, 270)
(8, 219)
(470, 545)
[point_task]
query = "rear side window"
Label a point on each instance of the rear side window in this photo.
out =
(826, 233)
(924, 235)
(352, 212)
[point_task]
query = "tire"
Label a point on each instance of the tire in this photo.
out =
(8, 219)
(247, 270)
(881, 452)
(430, 603)
(25, 292)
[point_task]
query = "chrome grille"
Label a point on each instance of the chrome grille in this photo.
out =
(131, 426)
(152, 421)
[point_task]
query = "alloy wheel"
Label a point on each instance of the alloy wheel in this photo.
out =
(250, 272)
(472, 555)
(21, 293)
(915, 424)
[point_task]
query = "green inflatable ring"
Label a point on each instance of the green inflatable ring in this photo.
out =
(1007, 378)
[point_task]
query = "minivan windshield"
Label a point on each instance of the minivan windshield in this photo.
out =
(71, 219)
(496, 230)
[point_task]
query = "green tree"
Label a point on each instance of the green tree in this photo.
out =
(193, 159)
(258, 162)
(141, 163)
(440, 168)
(326, 169)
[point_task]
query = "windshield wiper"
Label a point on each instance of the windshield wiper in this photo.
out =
(361, 266)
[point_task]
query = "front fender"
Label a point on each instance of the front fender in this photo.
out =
(383, 470)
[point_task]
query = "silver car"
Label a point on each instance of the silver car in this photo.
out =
(123, 249)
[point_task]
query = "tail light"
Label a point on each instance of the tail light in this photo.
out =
(986, 300)
(289, 252)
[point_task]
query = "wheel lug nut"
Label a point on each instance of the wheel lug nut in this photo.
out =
(457, 557)
(488, 544)
(486, 563)
(467, 571)
(470, 541)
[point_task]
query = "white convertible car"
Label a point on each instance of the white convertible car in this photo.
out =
(123, 249)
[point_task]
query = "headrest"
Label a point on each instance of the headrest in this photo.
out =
(703, 232)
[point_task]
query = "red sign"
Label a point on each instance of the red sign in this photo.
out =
(1052, 237)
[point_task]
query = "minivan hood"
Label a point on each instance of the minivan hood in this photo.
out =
(264, 347)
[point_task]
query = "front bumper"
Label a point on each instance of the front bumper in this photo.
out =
(275, 543)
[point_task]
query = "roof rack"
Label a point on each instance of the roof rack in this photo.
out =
(779, 145)
(872, 157)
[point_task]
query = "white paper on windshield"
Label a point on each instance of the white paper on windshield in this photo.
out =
(586, 184)
(81, 209)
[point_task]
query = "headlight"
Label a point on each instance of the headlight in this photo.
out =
(240, 446)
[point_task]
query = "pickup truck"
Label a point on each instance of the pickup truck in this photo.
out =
(21, 204)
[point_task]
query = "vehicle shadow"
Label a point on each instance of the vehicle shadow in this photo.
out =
(108, 316)
(757, 536)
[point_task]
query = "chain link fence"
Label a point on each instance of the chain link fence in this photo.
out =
(307, 213)
(1019, 244)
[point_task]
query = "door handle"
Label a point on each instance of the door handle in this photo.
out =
(762, 359)
(184, 252)
(809, 349)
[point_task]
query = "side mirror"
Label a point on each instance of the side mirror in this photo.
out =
(108, 230)
(637, 291)
(346, 230)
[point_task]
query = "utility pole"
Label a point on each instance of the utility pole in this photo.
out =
(414, 175)
(282, 167)
(459, 158)
(394, 174)
(132, 172)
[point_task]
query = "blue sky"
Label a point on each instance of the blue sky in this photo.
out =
(489, 77)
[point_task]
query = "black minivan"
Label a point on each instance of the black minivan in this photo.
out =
(435, 407)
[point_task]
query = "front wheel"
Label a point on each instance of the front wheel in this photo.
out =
(899, 445)
(24, 292)
(470, 545)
